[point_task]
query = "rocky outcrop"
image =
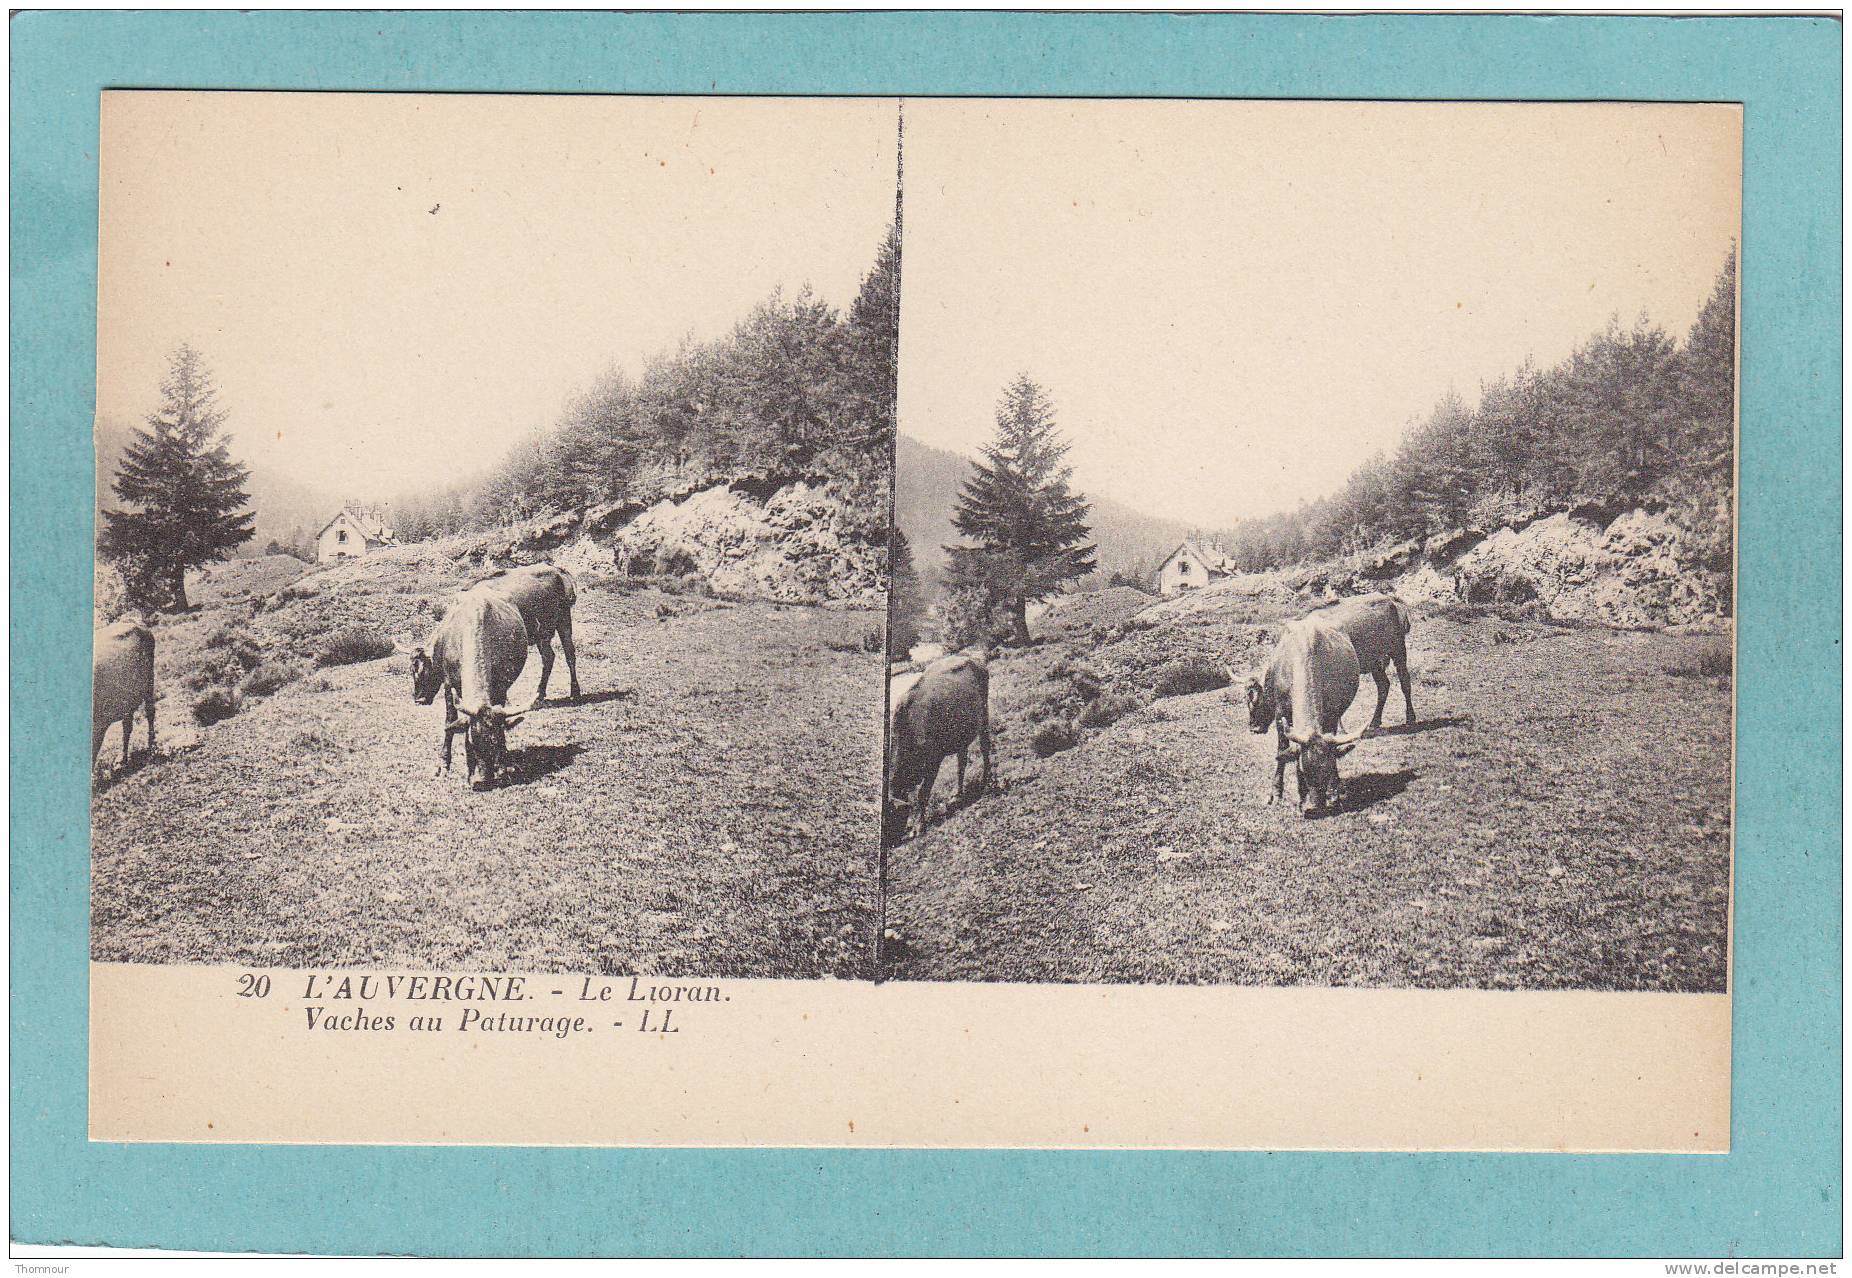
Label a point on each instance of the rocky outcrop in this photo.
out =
(1634, 569)
(792, 543)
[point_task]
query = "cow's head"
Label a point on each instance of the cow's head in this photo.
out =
(485, 742)
(427, 679)
(1260, 706)
(1316, 757)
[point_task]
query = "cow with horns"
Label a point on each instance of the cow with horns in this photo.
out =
(477, 652)
(1304, 692)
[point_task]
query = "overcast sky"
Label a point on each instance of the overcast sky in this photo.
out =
(392, 289)
(1234, 304)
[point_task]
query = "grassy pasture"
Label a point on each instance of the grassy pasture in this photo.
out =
(709, 808)
(1558, 817)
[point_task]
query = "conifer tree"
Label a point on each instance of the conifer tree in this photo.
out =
(906, 607)
(1030, 530)
(186, 494)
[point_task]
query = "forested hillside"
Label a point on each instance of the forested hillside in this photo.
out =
(1633, 417)
(796, 390)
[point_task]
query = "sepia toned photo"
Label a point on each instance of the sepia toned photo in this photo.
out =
(1316, 546)
(493, 496)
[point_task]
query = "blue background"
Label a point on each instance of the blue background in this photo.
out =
(1777, 1193)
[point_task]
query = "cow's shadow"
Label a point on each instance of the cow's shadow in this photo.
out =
(587, 699)
(1367, 789)
(532, 763)
(110, 775)
(1421, 725)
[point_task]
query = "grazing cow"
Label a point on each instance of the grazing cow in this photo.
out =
(544, 596)
(937, 712)
(1311, 681)
(121, 681)
(477, 652)
(1377, 627)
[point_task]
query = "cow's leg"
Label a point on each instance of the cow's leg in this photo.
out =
(1279, 761)
(932, 772)
(128, 730)
(961, 773)
(151, 724)
(544, 642)
(1381, 675)
(983, 745)
(1401, 673)
(450, 717)
(571, 650)
(97, 732)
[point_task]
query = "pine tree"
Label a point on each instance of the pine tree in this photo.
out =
(1030, 529)
(906, 606)
(1707, 383)
(187, 498)
(874, 327)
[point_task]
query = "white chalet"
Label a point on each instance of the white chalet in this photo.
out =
(351, 533)
(1192, 566)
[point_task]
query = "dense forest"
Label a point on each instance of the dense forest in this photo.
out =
(1632, 416)
(795, 390)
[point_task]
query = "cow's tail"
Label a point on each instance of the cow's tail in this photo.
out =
(571, 586)
(1402, 617)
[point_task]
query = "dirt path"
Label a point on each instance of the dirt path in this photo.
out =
(1560, 818)
(707, 809)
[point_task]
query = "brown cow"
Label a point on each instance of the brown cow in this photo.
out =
(938, 712)
(1311, 681)
(477, 652)
(121, 681)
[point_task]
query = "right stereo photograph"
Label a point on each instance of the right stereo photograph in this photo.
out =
(1315, 545)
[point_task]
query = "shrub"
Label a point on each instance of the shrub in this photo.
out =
(1195, 673)
(1713, 661)
(217, 703)
(1107, 710)
(268, 677)
(236, 647)
(216, 666)
(1054, 736)
(353, 644)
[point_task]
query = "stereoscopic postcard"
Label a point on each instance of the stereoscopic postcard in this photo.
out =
(931, 622)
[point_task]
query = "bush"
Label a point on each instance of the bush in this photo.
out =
(268, 677)
(217, 703)
(1713, 661)
(1086, 682)
(354, 644)
(1194, 673)
(1054, 736)
(1107, 710)
(236, 648)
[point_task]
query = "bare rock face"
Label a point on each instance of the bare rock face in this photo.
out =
(1631, 571)
(793, 546)
(1636, 569)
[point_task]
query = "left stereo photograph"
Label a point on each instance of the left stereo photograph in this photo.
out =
(492, 514)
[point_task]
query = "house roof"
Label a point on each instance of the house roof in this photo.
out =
(1214, 561)
(369, 526)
